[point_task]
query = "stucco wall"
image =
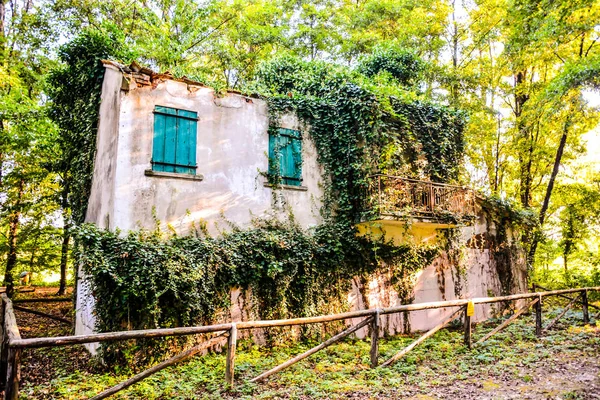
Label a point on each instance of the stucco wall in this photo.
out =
(102, 195)
(232, 147)
(471, 271)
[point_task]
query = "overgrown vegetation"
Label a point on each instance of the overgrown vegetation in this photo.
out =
(145, 280)
(365, 125)
(75, 88)
(388, 89)
(519, 68)
(359, 125)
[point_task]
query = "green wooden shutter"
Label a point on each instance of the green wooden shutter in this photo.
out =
(288, 165)
(158, 144)
(296, 174)
(285, 156)
(170, 143)
(174, 145)
(185, 155)
(273, 141)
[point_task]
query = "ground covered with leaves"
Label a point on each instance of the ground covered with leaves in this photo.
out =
(514, 364)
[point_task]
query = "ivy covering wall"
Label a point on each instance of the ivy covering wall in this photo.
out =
(146, 280)
(364, 125)
(74, 88)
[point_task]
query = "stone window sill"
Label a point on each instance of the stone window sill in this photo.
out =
(160, 174)
(287, 187)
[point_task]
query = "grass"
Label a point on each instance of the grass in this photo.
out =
(437, 367)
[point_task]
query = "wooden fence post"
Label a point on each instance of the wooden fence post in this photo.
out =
(467, 329)
(375, 340)
(230, 364)
(538, 317)
(584, 301)
(13, 374)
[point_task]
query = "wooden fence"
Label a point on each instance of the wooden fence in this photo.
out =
(12, 344)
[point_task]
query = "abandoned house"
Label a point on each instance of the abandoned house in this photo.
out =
(173, 151)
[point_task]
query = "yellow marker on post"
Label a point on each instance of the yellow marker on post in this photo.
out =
(470, 309)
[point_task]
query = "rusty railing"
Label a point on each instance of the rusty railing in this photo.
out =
(397, 196)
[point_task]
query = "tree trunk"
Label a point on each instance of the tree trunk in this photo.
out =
(557, 160)
(2, 21)
(455, 55)
(546, 203)
(565, 265)
(521, 97)
(13, 229)
(64, 254)
(64, 251)
(2, 131)
(497, 160)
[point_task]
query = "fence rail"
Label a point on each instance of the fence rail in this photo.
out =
(398, 196)
(12, 344)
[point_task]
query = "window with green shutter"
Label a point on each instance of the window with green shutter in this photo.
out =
(285, 156)
(174, 145)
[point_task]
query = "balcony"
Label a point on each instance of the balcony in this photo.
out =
(396, 198)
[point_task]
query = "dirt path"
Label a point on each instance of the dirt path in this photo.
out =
(551, 379)
(40, 366)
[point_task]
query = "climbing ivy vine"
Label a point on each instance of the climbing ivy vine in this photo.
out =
(361, 126)
(146, 280)
(74, 88)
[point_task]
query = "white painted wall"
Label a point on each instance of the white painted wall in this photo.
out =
(232, 147)
(101, 201)
(441, 281)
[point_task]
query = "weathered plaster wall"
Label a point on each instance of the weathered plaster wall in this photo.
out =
(102, 196)
(232, 146)
(469, 269)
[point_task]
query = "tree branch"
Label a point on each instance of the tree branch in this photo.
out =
(209, 34)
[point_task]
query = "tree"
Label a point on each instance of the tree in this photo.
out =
(25, 183)
(517, 67)
(74, 89)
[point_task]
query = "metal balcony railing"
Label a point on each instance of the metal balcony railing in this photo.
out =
(397, 196)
